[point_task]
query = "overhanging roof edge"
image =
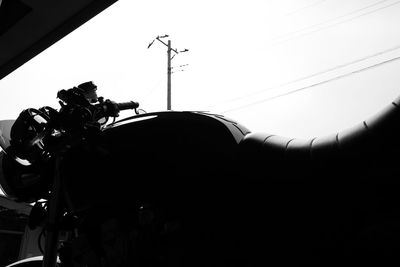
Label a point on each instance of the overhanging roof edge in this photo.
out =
(52, 37)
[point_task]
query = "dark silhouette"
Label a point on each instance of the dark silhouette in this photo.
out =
(197, 189)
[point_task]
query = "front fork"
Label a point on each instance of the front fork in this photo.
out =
(52, 230)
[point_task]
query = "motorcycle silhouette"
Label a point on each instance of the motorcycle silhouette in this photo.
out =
(199, 189)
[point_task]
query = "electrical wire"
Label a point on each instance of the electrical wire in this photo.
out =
(332, 19)
(292, 35)
(304, 7)
(154, 87)
(314, 74)
(312, 85)
(329, 69)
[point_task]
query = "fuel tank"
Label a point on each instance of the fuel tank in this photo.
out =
(155, 156)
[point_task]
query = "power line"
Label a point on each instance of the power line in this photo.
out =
(313, 85)
(292, 35)
(335, 67)
(329, 69)
(332, 19)
(287, 35)
(154, 87)
(305, 7)
(315, 74)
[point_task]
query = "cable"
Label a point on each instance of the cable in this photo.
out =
(288, 37)
(312, 85)
(330, 69)
(154, 87)
(314, 74)
(304, 7)
(329, 20)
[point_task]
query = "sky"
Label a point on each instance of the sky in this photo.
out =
(297, 68)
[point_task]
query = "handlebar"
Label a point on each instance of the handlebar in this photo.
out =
(111, 108)
(127, 105)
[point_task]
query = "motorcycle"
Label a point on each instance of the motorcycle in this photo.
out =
(193, 188)
(114, 187)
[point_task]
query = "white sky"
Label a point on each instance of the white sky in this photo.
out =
(242, 53)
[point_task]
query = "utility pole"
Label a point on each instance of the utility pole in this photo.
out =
(169, 67)
(169, 72)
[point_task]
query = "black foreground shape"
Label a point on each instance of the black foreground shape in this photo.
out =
(244, 199)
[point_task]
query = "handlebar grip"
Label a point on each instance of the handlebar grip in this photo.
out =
(127, 105)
